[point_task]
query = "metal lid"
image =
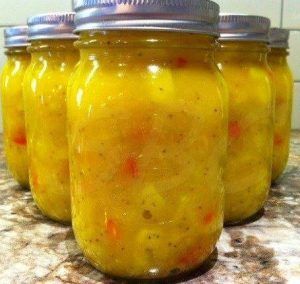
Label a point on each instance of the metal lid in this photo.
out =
(58, 25)
(279, 38)
(244, 27)
(16, 36)
(195, 16)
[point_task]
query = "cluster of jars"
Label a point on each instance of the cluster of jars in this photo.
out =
(141, 118)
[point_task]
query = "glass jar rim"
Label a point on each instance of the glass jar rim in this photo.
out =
(58, 25)
(242, 27)
(193, 16)
(16, 36)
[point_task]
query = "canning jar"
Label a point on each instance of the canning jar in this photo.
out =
(12, 102)
(283, 83)
(147, 121)
(242, 58)
(45, 84)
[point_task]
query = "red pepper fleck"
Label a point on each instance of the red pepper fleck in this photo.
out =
(140, 134)
(112, 229)
(20, 139)
(131, 167)
(271, 73)
(280, 100)
(208, 218)
(34, 179)
(234, 130)
(278, 140)
(64, 170)
(190, 257)
(181, 62)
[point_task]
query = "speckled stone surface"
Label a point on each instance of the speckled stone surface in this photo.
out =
(36, 250)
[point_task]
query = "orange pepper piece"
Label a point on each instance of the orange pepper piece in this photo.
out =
(208, 218)
(131, 167)
(34, 179)
(234, 130)
(20, 139)
(191, 257)
(181, 62)
(139, 135)
(112, 229)
(278, 140)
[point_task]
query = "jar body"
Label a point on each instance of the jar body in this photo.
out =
(283, 83)
(45, 86)
(147, 199)
(247, 175)
(15, 144)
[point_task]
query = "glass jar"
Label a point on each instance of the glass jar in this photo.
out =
(242, 58)
(45, 83)
(12, 103)
(147, 120)
(283, 82)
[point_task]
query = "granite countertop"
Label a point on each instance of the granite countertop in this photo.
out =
(36, 250)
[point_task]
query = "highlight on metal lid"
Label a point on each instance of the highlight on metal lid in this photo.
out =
(194, 16)
(16, 36)
(244, 27)
(58, 25)
(279, 38)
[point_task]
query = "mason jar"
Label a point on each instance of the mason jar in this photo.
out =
(53, 60)
(242, 59)
(283, 83)
(147, 122)
(15, 143)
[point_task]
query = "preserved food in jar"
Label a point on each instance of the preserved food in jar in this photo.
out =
(12, 103)
(283, 83)
(147, 116)
(242, 58)
(45, 84)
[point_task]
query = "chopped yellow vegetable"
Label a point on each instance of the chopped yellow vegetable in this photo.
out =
(148, 129)
(248, 169)
(283, 82)
(45, 85)
(15, 142)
